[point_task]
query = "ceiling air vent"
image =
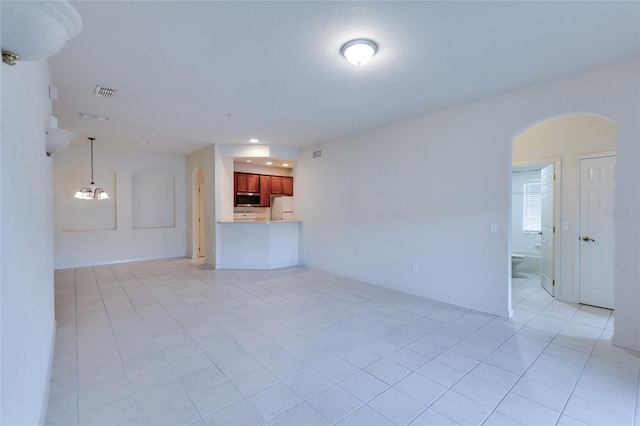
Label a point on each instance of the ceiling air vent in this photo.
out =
(104, 92)
(317, 153)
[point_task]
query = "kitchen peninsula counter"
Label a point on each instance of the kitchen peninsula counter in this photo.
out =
(258, 244)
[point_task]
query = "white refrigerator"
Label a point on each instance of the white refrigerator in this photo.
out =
(282, 208)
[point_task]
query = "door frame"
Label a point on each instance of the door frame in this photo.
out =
(195, 212)
(201, 221)
(576, 218)
(557, 213)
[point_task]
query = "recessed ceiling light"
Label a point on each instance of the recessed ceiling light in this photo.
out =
(94, 116)
(359, 51)
(249, 161)
(269, 163)
(254, 140)
(285, 165)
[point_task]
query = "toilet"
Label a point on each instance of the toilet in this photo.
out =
(516, 259)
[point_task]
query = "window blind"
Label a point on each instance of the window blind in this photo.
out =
(532, 216)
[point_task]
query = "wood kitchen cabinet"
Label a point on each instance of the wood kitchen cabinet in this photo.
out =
(276, 185)
(265, 185)
(265, 191)
(246, 182)
(287, 185)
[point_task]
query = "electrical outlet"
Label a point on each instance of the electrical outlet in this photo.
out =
(493, 228)
(414, 268)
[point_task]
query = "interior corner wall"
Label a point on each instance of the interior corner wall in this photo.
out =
(27, 310)
(105, 233)
(566, 138)
(204, 160)
(377, 203)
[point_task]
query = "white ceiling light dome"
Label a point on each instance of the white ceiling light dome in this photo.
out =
(359, 51)
(35, 30)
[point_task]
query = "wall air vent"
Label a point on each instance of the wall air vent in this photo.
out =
(317, 153)
(104, 92)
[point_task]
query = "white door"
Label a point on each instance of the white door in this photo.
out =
(547, 177)
(597, 186)
(200, 219)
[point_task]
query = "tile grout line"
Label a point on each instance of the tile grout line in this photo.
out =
(493, 409)
(582, 372)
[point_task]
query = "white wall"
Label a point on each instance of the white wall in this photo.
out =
(408, 193)
(102, 232)
(27, 308)
(566, 138)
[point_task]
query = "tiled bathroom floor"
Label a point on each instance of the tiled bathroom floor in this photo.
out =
(171, 343)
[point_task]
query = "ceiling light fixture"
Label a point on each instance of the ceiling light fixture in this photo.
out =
(254, 140)
(359, 51)
(269, 163)
(285, 165)
(91, 193)
(36, 30)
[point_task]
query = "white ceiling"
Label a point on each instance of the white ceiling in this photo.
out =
(189, 74)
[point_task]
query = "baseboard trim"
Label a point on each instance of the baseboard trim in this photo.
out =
(117, 261)
(625, 343)
(47, 386)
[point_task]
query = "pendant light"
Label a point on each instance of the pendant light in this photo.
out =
(91, 193)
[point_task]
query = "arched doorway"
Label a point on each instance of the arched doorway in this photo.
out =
(566, 142)
(198, 231)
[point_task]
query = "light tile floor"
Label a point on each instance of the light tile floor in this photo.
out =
(172, 343)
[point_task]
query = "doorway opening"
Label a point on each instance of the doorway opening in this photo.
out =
(564, 207)
(535, 190)
(198, 215)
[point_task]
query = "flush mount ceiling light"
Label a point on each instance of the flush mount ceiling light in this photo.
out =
(254, 140)
(91, 193)
(35, 30)
(359, 51)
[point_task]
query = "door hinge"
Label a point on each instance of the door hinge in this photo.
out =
(553, 283)
(554, 176)
(554, 229)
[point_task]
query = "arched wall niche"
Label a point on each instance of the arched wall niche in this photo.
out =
(152, 199)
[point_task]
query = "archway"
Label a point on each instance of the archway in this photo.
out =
(563, 140)
(198, 209)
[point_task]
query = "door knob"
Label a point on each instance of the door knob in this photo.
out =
(588, 239)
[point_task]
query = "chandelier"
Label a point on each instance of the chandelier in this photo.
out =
(91, 192)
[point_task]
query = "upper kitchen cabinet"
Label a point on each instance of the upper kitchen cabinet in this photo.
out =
(287, 185)
(276, 185)
(247, 182)
(265, 191)
(281, 185)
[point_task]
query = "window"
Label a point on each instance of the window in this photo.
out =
(532, 216)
